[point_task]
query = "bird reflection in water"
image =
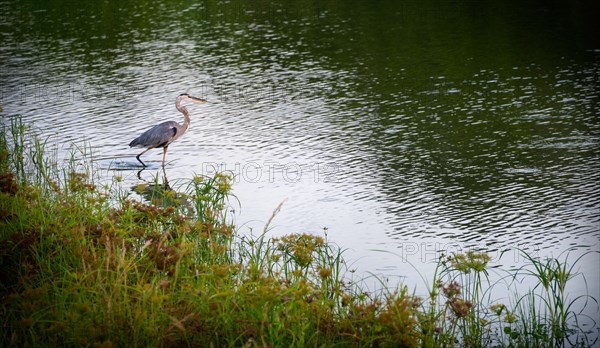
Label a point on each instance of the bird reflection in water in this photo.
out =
(161, 194)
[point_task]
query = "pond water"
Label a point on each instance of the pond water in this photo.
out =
(404, 128)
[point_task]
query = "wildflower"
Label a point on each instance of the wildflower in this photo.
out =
(300, 247)
(451, 290)
(324, 273)
(346, 300)
(197, 179)
(460, 307)
(470, 261)
(497, 308)
(510, 318)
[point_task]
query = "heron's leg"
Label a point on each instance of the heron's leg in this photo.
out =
(165, 180)
(138, 156)
(164, 155)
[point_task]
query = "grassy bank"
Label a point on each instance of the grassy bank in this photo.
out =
(82, 264)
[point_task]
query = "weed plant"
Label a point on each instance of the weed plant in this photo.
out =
(82, 264)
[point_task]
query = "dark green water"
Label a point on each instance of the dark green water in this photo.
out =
(409, 127)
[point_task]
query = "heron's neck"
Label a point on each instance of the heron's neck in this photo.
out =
(186, 114)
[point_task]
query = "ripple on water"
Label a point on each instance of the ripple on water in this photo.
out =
(501, 158)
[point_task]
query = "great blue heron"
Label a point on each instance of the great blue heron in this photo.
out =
(167, 132)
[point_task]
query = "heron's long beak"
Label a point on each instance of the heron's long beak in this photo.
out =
(198, 100)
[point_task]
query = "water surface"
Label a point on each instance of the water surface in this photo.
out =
(404, 128)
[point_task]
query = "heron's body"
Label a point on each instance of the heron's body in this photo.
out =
(163, 134)
(160, 135)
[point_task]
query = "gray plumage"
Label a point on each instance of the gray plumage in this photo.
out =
(162, 133)
(165, 133)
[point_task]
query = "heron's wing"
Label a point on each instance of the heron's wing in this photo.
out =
(156, 136)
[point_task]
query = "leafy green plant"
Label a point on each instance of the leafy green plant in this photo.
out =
(548, 316)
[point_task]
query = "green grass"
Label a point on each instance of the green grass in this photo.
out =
(84, 265)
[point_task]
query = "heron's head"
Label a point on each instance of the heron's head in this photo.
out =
(186, 96)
